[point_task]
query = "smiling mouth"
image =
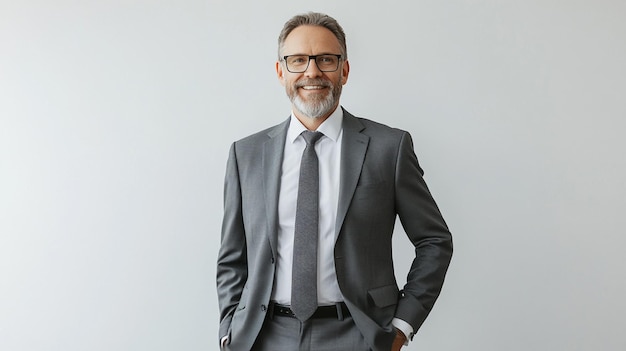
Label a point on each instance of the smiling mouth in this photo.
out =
(313, 87)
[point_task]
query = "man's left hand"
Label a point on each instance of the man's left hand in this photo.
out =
(398, 342)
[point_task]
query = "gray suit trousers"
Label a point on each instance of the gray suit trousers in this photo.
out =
(323, 334)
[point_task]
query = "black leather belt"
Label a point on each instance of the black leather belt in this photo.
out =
(336, 311)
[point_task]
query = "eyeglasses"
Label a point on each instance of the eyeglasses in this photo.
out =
(300, 63)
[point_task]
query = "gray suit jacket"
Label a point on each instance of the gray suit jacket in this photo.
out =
(380, 179)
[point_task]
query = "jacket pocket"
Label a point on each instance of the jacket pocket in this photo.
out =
(243, 301)
(384, 296)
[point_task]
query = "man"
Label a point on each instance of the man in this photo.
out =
(305, 261)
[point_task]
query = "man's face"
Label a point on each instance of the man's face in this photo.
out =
(313, 93)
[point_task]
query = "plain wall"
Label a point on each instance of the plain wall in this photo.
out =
(116, 118)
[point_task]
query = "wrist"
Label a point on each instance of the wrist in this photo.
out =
(400, 335)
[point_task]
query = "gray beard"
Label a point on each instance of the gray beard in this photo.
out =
(316, 108)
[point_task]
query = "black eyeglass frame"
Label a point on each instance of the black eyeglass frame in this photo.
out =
(314, 58)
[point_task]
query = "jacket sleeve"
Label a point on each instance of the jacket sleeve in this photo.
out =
(429, 234)
(232, 271)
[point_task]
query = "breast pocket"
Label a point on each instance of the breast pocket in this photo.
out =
(371, 189)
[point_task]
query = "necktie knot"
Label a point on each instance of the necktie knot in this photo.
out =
(311, 137)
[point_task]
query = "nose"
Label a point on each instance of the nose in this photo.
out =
(312, 70)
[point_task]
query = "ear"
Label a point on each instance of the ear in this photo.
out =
(279, 73)
(345, 70)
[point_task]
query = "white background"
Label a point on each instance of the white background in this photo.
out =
(116, 118)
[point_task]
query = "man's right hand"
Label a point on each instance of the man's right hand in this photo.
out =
(223, 342)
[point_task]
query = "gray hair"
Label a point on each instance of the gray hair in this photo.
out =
(314, 19)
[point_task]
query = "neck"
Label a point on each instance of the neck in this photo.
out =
(312, 123)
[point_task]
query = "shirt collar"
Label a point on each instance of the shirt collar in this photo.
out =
(331, 127)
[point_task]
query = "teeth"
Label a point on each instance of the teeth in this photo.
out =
(312, 87)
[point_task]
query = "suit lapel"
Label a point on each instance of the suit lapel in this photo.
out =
(354, 147)
(273, 150)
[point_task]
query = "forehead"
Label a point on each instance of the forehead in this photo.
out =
(311, 40)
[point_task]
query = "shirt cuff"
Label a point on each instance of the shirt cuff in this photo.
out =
(405, 328)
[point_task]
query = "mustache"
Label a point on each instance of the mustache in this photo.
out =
(320, 82)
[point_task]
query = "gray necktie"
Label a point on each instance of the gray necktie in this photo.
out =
(304, 270)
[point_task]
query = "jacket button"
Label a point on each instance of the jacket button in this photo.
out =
(263, 308)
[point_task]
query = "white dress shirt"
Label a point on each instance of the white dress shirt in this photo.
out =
(328, 150)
